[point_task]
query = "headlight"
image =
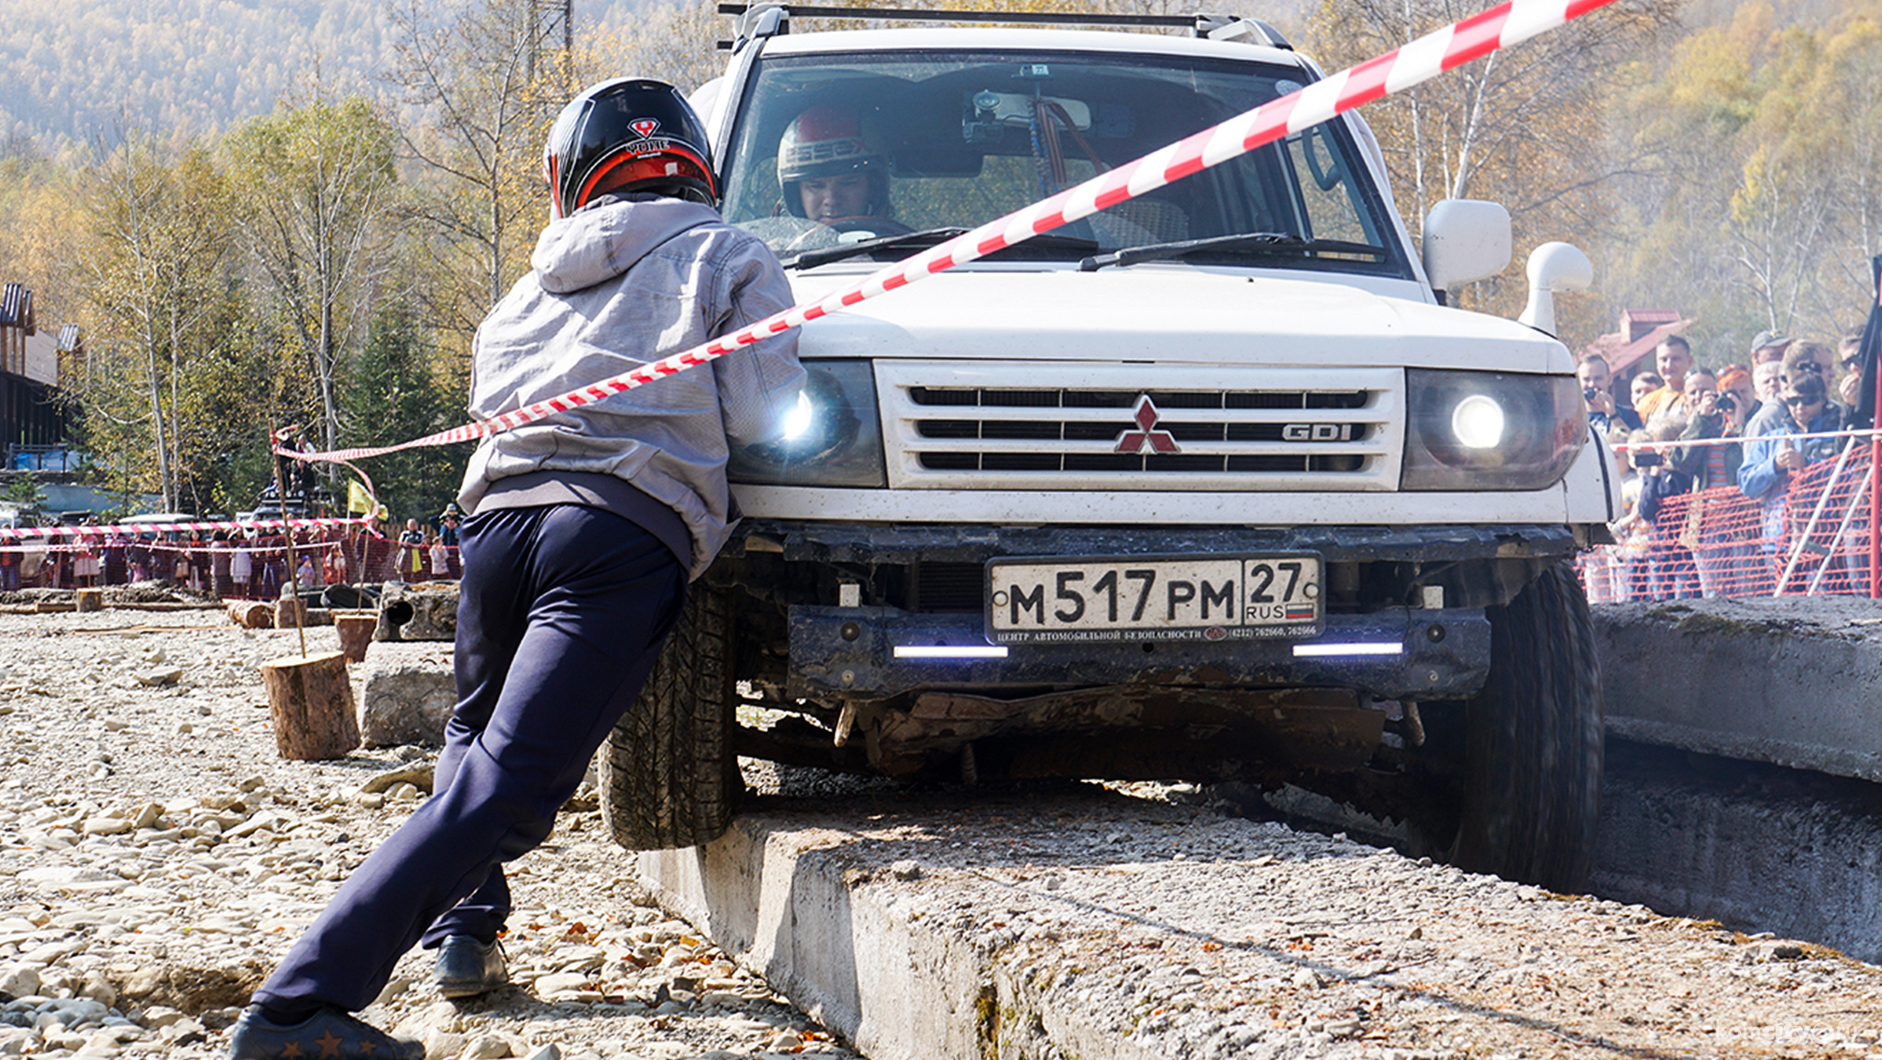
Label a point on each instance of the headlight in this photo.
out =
(1490, 430)
(831, 437)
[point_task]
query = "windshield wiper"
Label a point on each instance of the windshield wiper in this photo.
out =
(1283, 242)
(1048, 241)
(823, 255)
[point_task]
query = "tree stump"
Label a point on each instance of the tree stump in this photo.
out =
(91, 599)
(356, 629)
(311, 703)
(290, 613)
(251, 614)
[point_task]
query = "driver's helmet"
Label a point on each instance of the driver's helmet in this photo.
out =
(826, 141)
(629, 134)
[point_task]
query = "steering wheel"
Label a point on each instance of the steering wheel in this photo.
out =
(840, 226)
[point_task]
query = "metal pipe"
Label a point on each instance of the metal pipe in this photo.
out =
(1797, 548)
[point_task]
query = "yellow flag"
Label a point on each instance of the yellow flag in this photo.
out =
(356, 498)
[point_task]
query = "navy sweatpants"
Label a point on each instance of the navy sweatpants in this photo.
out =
(562, 612)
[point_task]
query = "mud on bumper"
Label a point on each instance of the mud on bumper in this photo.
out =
(1376, 646)
(1398, 653)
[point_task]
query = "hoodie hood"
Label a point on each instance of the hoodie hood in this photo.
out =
(608, 237)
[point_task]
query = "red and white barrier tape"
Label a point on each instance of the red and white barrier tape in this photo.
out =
(133, 529)
(1395, 71)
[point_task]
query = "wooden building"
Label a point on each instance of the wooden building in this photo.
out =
(32, 416)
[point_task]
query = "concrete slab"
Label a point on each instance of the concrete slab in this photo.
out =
(1790, 681)
(1110, 928)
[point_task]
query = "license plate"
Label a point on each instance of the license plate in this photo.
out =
(1042, 601)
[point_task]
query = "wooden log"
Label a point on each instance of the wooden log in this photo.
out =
(91, 599)
(290, 613)
(311, 703)
(50, 607)
(251, 614)
(355, 629)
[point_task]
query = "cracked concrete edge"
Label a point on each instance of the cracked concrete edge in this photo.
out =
(1791, 754)
(1738, 686)
(824, 938)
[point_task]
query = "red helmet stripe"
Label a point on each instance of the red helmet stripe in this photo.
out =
(701, 171)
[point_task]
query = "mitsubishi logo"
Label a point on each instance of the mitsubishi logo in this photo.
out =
(1146, 437)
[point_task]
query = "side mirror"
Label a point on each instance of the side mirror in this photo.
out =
(1465, 240)
(1553, 267)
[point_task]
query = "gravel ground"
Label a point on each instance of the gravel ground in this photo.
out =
(157, 858)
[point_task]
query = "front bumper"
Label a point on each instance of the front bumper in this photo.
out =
(1393, 653)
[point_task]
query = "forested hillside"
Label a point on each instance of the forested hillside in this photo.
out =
(75, 70)
(78, 68)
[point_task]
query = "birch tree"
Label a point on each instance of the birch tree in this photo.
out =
(154, 277)
(320, 184)
(1523, 127)
(483, 85)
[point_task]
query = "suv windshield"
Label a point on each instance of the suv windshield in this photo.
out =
(853, 148)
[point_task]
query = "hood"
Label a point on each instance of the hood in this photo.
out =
(605, 238)
(1169, 314)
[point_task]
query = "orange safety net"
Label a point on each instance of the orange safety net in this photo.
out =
(1808, 536)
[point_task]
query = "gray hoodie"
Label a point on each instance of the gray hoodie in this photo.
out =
(622, 282)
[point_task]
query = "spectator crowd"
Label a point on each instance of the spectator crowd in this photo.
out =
(244, 563)
(1738, 480)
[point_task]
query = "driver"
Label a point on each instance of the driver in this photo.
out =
(832, 173)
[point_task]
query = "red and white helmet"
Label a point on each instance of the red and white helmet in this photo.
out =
(630, 134)
(825, 141)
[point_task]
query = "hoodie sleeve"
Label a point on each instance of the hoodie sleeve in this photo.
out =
(758, 383)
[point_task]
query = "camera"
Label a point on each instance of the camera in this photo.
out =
(1646, 459)
(1726, 401)
(1589, 393)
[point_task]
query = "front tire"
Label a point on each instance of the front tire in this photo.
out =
(667, 773)
(1534, 742)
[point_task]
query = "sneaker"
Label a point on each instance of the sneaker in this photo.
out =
(328, 1033)
(467, 967)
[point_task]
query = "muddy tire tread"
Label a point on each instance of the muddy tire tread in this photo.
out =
(667, 775)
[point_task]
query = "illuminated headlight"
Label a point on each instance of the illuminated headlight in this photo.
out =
(832, 436)
(1490, 430)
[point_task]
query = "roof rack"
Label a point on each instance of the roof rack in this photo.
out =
(1218, 27)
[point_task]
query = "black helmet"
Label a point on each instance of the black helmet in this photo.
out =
(631, 134)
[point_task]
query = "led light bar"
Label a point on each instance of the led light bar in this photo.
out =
(1307, 650)
(950, 651)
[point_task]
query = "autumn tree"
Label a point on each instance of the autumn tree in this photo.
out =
(38, 196)
(1764, 206)
(320, 184)
(155, 276)
(483, 85)
(1515, 126)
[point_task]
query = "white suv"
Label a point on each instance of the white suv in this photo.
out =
(1210, 485)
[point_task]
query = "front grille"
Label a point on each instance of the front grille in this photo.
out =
(1281, 428)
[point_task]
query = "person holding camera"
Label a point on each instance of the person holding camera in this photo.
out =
(1719, 518)
(1597, 388)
